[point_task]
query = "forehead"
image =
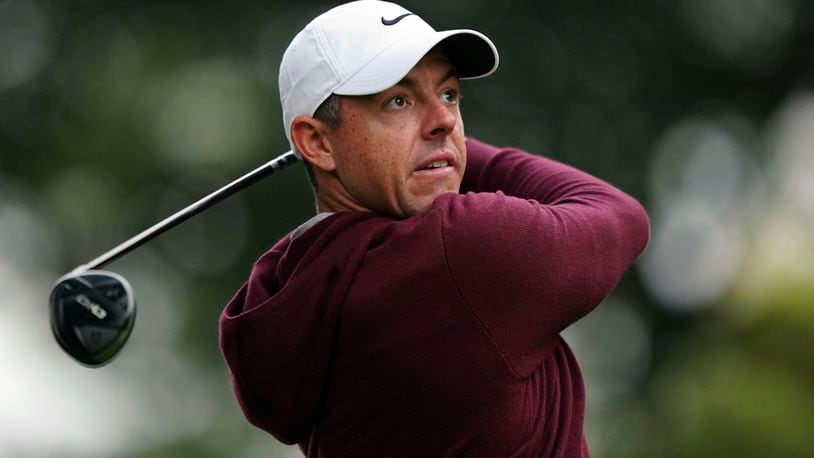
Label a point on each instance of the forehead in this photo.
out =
(437, 54)
(434, 58)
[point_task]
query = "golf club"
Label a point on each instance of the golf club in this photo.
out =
(93, 311)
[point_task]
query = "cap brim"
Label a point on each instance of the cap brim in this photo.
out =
(471, 53)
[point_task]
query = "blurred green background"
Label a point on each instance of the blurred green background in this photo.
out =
(115, 114)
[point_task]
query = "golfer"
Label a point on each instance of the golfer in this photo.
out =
(418, 314)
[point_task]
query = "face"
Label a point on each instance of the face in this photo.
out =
(396, 151)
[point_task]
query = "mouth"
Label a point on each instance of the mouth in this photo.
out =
(438, 163)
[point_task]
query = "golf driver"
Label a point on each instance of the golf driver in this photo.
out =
(93, 311)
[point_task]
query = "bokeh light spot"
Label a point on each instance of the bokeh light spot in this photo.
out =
(210, 114)
(751, 33)
(692, 258)
(24, 47)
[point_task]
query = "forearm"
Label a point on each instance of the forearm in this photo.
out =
(519, 174)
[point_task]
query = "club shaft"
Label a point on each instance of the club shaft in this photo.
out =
(278, 163)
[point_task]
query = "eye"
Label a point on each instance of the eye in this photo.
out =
(450, 96)
(397, 102)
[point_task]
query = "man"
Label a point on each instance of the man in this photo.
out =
(419, 313)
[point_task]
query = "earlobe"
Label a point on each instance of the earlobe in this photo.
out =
(309, 136)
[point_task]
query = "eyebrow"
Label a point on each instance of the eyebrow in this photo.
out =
(409, 82)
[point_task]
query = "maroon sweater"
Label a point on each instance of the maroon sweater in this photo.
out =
(437, 335)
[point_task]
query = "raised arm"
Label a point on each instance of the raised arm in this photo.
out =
(536, 246)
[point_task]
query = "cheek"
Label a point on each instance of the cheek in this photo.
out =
(381, 148)
(458, 137)
(362, 165)
(373, 153)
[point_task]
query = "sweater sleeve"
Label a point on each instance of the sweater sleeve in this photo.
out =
(534, 246)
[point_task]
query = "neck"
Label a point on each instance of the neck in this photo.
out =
(332, 196)
(329, 202)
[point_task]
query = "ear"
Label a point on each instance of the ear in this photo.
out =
(309, 136)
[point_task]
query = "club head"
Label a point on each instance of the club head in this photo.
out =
(92, 314)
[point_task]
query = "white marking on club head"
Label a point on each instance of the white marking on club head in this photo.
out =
(94, 308)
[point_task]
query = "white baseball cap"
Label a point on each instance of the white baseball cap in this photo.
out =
(365, 47)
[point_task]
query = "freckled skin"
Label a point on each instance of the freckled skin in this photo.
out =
(384, 138)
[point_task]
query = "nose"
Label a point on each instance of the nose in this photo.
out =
(440, 120)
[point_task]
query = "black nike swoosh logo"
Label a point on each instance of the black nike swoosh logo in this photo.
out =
(395, 20)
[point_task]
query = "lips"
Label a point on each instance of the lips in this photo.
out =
(437, 161)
